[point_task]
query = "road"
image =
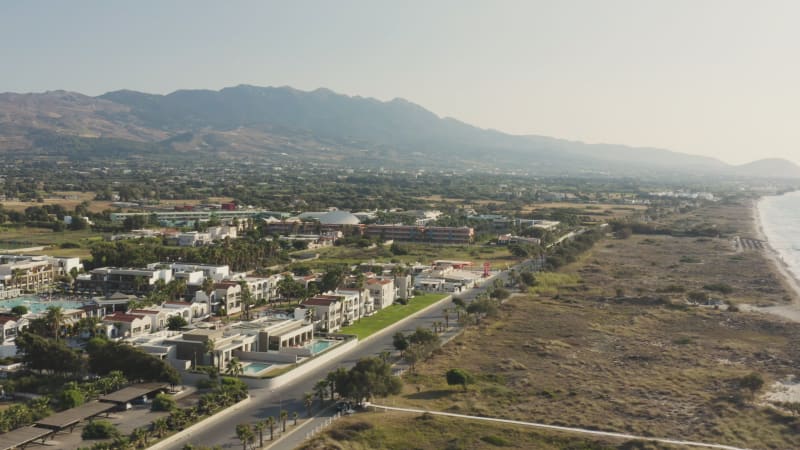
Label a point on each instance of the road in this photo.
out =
(267, 403)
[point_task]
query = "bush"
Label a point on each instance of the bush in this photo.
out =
(206, 383)
(722, 288)
(99, 429)
(497, 441)
(71, 398)
(163, 402)
(751, 382)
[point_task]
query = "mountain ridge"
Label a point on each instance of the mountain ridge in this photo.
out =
(253, 121)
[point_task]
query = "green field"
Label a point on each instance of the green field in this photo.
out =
(390, 315)
(17, 237)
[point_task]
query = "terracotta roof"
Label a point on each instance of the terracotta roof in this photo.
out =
(322, 300)
(121, 317)
(6, 319)
(377, 281)
(144, 311)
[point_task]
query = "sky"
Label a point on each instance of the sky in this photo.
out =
(711, 77)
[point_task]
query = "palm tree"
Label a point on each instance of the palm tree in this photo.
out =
(138, 437)
(271, 425)
(320, 388)
(207, 287)
(446, 313)
(331, 379)
(208, 347)
(259, 428)
(55, 319)
(294, 417)
(160, 426)
(308, 401)
(234, 367)
(247, 298)
(284, 415)
(245, 434)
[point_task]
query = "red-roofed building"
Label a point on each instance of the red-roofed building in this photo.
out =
(328, 311)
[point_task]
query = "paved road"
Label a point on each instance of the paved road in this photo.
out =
(267, 403)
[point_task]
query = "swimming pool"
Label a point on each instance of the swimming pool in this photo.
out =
(37, 304)
(255, 367)
(319, 345)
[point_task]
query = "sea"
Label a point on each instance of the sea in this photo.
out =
(780, 221)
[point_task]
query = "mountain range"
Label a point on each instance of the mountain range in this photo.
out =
(282, 123)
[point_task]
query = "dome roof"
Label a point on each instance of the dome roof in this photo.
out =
(338, 218)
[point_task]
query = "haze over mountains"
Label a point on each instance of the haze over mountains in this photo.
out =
(318, 126)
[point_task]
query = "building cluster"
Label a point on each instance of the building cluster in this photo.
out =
(22, 273)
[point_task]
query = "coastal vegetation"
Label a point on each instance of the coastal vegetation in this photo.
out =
(611, 342)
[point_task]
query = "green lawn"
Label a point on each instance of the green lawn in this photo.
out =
(390, 315)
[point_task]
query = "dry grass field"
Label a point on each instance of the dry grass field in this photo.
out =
(610, 343)
(422, 432)
(70, 199)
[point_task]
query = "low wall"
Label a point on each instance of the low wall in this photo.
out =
(302, 369)
(298, 351)
(171, 441)
(281, 358)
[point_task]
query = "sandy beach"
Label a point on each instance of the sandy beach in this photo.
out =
(789, 311)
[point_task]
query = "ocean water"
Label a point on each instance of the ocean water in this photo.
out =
(780, 221)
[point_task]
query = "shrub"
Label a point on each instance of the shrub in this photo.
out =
(163, 402)
(71, 398)
(722, 288)
(99, 429)
(751, 382)
(456, 377)
(497, 441)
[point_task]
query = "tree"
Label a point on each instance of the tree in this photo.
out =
(333, 278)
(400, 341)
(258, 427)
(43, 354)
(163, 402)
(176, 322)
(319, 390)
(54, 319)
(271, 425)
(457, 377)
(308, 401)
(70, 398)
(283, 415)
(368, 378)
(160, 426)
(107, 356)
(234, 367)
(752, 382)
(138, 437)
(245, 434)
(99, 429)
(294, 417)
(207, 287)
(19, 310)
(247, 298)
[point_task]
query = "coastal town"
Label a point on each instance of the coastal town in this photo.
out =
(353, 225)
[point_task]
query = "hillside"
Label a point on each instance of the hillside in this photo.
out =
(247, 122)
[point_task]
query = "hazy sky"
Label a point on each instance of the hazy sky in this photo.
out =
(719, 78)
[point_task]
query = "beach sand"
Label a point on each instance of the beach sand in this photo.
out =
(789, 311)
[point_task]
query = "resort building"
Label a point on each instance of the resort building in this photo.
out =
(33, 273)
(106, 280)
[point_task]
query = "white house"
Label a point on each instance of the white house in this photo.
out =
(382, 291)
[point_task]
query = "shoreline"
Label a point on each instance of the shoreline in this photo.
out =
(790, 310)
